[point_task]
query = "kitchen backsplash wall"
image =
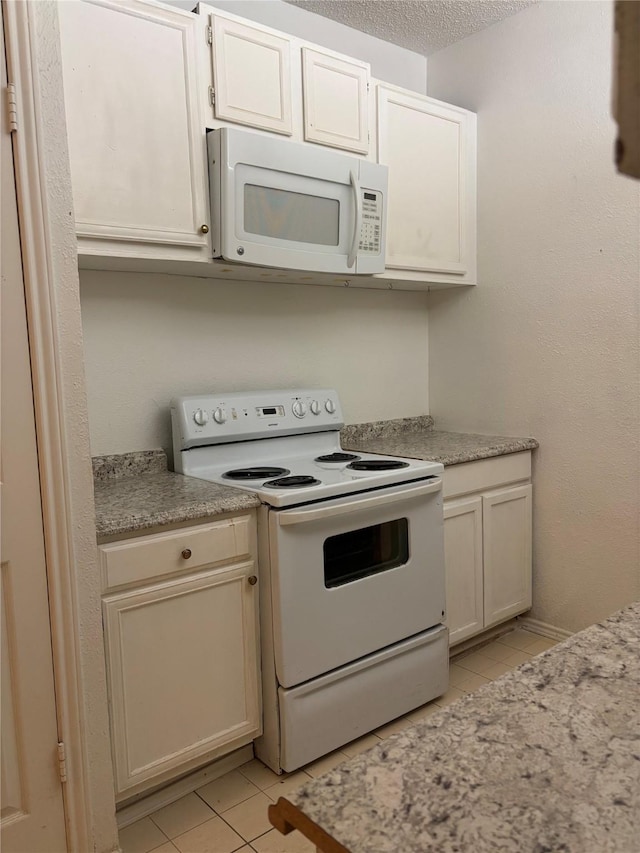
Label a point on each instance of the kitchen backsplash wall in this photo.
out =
(548, 343)
(150, 337)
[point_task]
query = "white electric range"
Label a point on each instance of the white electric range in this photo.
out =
(351, 565)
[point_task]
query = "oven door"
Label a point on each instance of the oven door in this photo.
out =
(353, 575)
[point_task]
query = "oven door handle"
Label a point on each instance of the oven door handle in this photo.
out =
(299, 516)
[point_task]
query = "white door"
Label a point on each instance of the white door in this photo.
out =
(336, 101)
(32, 816)
(183, 673)
(251, 75)
(463, 566)
(136, 140)
(353, 575)
(507, 553)
(431, 205)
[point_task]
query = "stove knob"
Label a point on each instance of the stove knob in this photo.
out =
(299, 409)
(330, 406)
(315, 407)
(201, 417)
(219, 415)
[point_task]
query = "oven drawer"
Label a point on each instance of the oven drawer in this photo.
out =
(324, 714)
(160, 554)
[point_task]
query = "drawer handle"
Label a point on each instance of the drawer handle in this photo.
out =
(253, 580)
(186, 553)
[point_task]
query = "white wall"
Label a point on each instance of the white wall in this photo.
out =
(151, 337)
(547, 344)
(388, 61)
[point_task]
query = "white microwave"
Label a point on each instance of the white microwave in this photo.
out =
(282, 204)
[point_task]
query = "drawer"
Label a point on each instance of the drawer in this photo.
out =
(468, 477)
(189, 548)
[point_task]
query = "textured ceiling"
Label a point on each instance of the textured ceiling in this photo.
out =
(423, 26)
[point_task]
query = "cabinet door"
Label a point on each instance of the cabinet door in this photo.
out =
(182, 668)
(463, 568)
(252, 76)
(136, 144)
(507, 553)
(429, 148)
(336, 105)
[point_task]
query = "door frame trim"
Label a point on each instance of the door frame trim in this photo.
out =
(48, 245)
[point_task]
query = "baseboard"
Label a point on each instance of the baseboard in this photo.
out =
(535, 626)
(543, 628)
(170, 793)
(483, 639)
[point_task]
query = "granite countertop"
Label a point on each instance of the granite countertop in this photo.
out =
(543, 760)
(416, 438)
(135, 491)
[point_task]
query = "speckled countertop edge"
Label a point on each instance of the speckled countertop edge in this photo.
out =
(419, 441)
(134, 492)
(546, 758)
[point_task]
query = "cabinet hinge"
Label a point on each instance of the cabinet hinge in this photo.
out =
(12, 107)
(209, 35)
(62, 762)
(212, 96)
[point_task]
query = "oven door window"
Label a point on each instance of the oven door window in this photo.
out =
(368, 551)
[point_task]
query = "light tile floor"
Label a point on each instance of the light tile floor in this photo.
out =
(230, 813)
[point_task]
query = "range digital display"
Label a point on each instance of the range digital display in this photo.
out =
(270, 411)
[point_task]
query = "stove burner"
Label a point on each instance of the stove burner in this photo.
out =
(293, 482)
(377, 465)
(257, 473)
(337, 457)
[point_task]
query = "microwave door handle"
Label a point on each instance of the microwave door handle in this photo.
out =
(318, 513)
(351, 258)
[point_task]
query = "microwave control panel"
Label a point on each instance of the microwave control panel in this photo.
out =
(371, 229)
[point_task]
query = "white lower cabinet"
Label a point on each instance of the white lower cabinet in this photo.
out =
(464, 573)
(488, 537)
(506, 548)
(182, 660)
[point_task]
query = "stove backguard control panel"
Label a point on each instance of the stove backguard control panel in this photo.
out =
(241, 416)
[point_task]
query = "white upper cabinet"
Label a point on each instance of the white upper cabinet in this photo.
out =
(268, 80)
(251, 75)
(336, 103)
(136, 139)
(430, 150)
(143, 81)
